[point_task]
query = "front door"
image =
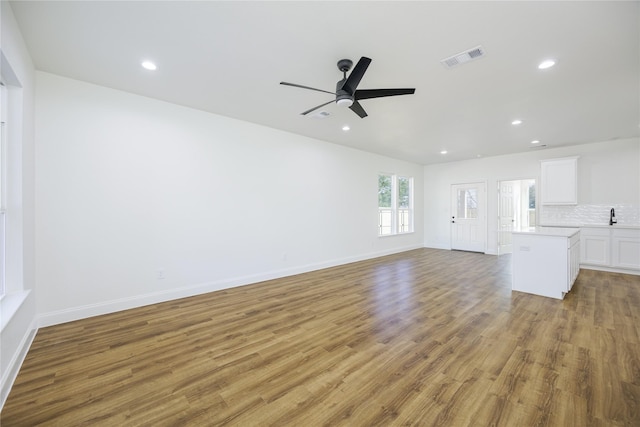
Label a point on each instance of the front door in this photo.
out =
(468, 226)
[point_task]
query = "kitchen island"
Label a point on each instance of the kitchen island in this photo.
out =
(545, 260)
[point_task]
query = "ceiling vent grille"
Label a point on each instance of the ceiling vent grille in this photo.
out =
(321, 114)
(463, 57)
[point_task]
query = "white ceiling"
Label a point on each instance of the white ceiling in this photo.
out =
(229, 57)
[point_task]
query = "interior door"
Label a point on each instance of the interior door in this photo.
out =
(468, 212)
(516, 210)
(506, 216)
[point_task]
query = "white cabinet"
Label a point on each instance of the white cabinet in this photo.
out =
(625, 248)
(612, 248)
(594, 246)
(546, 261)
(559, 181)
(574, 260)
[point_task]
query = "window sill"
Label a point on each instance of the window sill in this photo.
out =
(9, 305)
(397, 234)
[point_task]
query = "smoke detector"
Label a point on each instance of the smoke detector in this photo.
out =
(463, 57)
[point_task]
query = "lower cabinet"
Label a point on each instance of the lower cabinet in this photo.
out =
(574, 260)
(545, 264)
(595, 244)
(625, 248)
(614, 248)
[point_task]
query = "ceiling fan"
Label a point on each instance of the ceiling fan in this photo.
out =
(347, 93)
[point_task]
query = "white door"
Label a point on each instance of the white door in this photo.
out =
(506, 216)
(468, 226)
(516, 210)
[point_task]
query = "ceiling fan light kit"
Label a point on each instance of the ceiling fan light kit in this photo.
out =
(346, 92)
(344, 102)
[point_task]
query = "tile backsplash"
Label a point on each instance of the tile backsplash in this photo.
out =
(626, 214)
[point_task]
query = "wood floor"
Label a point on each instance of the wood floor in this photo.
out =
(422, 338)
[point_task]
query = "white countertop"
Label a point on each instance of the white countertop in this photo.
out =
(549, 231)
(636, 227)
(629, 226)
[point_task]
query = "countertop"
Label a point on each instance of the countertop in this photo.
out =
(633, 227)
(628, 226)
(549, 231)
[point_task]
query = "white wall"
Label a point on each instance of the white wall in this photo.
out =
(608, 174)
(127, 186)
(17, 308)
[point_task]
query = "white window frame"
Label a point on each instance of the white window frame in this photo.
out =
(401, 221)
(4, 105)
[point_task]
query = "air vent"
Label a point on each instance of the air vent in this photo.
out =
(463, 57)
(321, 114)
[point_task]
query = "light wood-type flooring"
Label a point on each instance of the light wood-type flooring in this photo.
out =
(422, 338)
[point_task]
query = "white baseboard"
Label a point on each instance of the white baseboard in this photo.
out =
(610, 269)
(10, 375)
(432, 245)
(97, 309)
(446, 247)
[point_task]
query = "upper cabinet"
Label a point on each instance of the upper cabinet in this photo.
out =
(559, 181)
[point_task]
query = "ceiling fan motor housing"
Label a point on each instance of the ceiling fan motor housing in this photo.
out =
(343, 98)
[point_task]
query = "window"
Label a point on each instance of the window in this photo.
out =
(532, 195)
(404, 205)
(467, 203)
(395, 204)
(385, 205)
(3, 183)
(532, 204)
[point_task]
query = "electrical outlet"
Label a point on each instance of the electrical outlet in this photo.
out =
(160, 275)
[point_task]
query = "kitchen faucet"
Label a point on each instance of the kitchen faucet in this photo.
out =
(612, 217)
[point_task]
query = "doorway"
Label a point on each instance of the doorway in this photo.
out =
(468, 213)
(516, 210)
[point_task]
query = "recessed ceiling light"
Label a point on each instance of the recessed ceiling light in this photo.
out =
(535, 141)
(547, 64)
(443, 152)
(148, 65)
(345, 128)
(516, 122)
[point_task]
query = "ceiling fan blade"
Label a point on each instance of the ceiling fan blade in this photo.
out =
(357, 108)
(315, 108)
(306, 87)
(356, 75)
(379, 93)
